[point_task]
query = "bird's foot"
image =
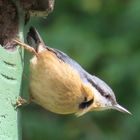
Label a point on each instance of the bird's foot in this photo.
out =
(20, 102)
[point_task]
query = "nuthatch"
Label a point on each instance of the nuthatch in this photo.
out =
(61, 85)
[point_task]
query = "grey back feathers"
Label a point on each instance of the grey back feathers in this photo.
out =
(100, 85)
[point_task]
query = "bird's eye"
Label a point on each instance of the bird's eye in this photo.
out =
(107, 96)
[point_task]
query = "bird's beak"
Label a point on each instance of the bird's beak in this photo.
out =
(121, 109)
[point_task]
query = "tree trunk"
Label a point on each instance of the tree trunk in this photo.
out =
(13, 16)
(11, 68)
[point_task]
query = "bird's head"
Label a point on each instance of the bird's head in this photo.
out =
(101, 97)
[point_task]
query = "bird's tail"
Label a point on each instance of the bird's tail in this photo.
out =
(34, 39)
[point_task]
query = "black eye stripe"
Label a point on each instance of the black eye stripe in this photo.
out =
(101, 91)
(97, 87)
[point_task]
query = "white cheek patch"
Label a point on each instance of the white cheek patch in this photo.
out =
(99, 100)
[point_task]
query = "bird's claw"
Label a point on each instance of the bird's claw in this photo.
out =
(19, 102)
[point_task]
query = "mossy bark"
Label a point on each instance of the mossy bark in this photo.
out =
(11, 68)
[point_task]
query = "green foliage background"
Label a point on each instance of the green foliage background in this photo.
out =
(104, 37)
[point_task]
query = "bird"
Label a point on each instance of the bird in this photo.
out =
(61, 85)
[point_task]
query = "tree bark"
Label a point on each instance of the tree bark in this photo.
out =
(11, 67)
(13, 16)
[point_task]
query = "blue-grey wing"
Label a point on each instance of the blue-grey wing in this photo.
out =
(34, 39)
(99, 84)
